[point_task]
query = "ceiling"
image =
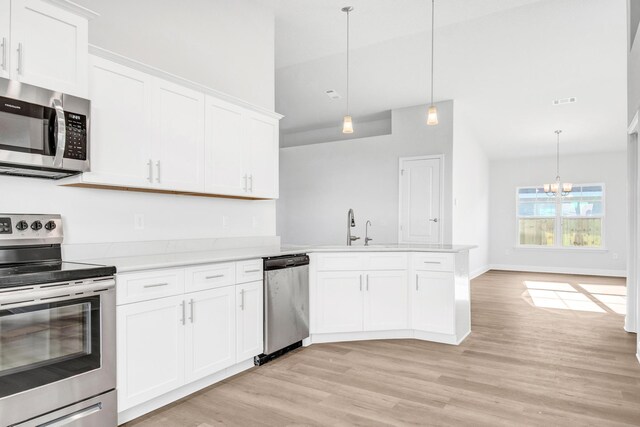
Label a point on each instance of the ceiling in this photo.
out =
(501, 61)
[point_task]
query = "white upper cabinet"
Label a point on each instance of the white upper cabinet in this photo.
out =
(49, 46)
(120, 126)
(224, 149)
(5, 38)
(178, 121)
(263, 154)
(241, 151)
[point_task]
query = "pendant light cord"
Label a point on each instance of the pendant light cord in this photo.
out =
(348, 62)
(432, 44)
(558, 155)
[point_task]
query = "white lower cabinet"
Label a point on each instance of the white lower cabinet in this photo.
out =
(433, 298)
(173, 340)
(339, 302)
(249, 320)
(385, 301)
(150, 337)
(211, 332)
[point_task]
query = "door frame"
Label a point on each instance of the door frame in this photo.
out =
(439, 157)
(633, 220)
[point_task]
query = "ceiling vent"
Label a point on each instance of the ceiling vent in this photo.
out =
(564, 101)
(332, 94)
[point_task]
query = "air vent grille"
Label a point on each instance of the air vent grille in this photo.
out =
(332, 94)
(564, 101)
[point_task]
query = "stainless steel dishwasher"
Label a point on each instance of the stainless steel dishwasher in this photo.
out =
(286, 305)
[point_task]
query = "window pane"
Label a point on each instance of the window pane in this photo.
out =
(533, 201)
(582, 232)
(537, 231)
(581, 208)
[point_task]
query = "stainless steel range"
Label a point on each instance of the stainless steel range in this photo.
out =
(57, 330)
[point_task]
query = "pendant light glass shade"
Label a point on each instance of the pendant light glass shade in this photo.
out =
(432, 116)
(347, 125)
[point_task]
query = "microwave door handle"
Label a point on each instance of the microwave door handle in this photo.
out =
(61, 134)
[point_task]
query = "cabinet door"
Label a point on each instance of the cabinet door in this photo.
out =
(249, 320)
(120, 124)
(225, 148)
(5, 38)
(49, 46)
(385, 303)
(433, 302)
(150, 349)
(211, 332)
(263, 152)
(339, 302)
(179, 138)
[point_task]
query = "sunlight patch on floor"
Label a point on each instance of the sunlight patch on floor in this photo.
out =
(563, 300)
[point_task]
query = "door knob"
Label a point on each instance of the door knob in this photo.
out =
(433, 219)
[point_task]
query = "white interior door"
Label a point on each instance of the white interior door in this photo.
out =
(420, 200)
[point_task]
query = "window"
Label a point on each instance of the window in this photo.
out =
(570, 221)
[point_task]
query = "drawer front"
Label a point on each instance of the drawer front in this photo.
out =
(339, 262)
(433, 261)
(249, 271)
(148, 285)
(385, 261)
(210, 276)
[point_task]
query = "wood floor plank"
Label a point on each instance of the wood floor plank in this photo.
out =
(524, 364)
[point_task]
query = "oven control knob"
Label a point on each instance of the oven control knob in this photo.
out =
(50, 225)
(22, 225)
(36, 225)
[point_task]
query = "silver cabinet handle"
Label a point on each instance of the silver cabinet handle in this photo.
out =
(191, 304)
(156, 285)
(417, 285)
(242, 299)
(433, 262)
(433, 219)
(158, 171)
(361, 283)
(150, 174)
(251, 183)
(245, 183)
(19, 69)
(367, 282)
(61, 134)
(252, 271)
(183, 313)
(4, 53)
(216, 276)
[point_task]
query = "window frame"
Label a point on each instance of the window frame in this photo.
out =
(557, 245)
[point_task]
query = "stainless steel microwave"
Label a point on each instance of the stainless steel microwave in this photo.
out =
(43, 133)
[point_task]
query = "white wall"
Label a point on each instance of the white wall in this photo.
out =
(471, 189)
(320, 182)
(507, 174)
(221, 44)
(225, 45)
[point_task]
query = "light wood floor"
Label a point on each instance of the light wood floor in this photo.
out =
(522, 365)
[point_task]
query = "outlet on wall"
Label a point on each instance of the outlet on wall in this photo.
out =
(254, 222)
(138, 221)
(225, 222)
(614, 255)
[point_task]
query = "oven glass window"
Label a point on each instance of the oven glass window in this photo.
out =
(22, 133)
(48, 342)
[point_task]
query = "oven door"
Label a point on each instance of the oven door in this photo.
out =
(57, 347)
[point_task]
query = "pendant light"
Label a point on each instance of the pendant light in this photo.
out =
(432, 115)
(347, 122)
(558, 187)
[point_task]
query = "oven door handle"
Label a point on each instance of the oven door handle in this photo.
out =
(61, 134)
(10, 300)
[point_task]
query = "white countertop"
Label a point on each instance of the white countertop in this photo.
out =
(181, 259)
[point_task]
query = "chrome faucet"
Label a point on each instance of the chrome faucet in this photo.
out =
(367, 239)
(351, 222)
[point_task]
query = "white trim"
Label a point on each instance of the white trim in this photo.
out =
(561, 249)
(479, 272)
(634, 126)
(451, 339)
(560, 270)
(75, 8)
(132, 63)
(441, 220)
(187, 389)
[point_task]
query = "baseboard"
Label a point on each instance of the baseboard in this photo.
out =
(451, 339)
(560, 270)
(479, 271)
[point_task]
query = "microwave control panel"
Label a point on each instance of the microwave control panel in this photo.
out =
(5, 226)
(76, 145)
